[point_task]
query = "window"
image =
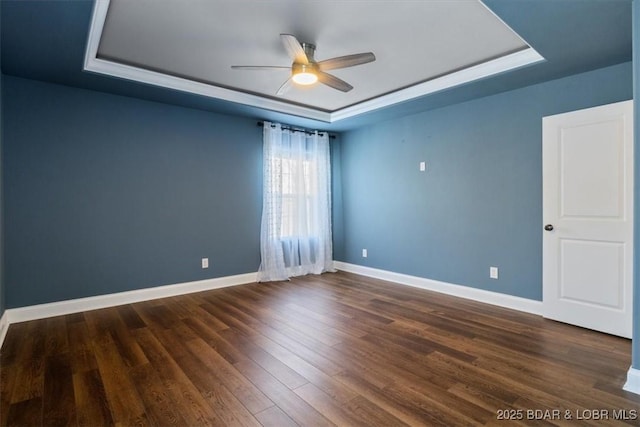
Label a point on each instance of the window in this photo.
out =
(296, 218)
(299, 185)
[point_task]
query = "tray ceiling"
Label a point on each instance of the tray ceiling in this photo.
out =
(421, 47)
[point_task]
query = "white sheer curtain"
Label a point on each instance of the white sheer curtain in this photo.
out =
(295, 238)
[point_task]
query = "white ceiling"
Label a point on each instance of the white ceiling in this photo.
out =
(420, 47)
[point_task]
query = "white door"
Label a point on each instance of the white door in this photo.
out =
(587, 159)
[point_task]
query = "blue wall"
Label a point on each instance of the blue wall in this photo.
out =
(337, 218)
(480, 202)
(106, 193)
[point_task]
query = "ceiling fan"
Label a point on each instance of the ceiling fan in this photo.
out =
(306, 71)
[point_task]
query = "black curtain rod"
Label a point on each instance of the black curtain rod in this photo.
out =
(308, 132)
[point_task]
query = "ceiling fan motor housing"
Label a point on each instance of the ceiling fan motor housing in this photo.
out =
(309, 50)
(304, 68)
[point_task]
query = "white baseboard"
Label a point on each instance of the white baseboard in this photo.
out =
(488, 297)
(41, 311)
(633, 381)
(4, 327)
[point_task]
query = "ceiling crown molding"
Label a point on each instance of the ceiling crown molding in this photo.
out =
(94, 64)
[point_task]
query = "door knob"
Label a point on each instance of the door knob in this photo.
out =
(548, 227)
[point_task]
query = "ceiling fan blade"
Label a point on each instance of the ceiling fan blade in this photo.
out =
(259, 67)
(294, 48)
(346, 61)
(285, 87)
(334, 82)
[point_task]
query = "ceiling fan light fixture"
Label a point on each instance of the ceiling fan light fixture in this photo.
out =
(304, 74)
(305, 78)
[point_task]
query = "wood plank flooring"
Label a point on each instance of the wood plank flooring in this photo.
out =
(337, 349)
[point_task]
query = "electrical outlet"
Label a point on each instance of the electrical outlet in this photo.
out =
(364, 253)
(423, 166)
(205, 262)
(493, 272)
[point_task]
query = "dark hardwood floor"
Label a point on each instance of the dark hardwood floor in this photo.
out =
(336, 349)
